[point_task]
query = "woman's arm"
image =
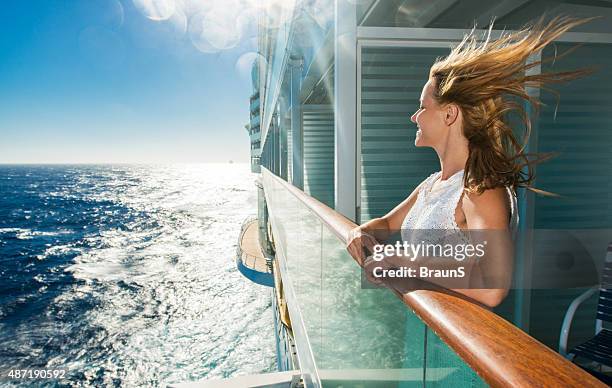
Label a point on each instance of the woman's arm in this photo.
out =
(488, 213)
(379, 229)
(487, 218)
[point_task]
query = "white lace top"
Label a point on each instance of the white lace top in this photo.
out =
(435, 205)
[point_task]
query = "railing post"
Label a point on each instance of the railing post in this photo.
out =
(283, 105)
(525, 232)
(276, 144)
(345, 107)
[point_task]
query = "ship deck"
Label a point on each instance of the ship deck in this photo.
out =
(252, 255)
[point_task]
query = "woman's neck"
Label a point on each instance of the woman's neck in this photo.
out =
(453, 156)
(450, 169)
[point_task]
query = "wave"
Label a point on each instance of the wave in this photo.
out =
(27, 234)
(130, 279)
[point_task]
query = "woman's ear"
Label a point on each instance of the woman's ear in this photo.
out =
(451, 114)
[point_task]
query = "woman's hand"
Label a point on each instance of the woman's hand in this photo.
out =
(357, 240)
(370, 265)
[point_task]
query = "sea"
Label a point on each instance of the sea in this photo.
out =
(125, 275)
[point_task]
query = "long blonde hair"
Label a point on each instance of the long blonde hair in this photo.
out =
(485, 79)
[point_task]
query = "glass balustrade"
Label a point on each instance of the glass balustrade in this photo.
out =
(348, 335)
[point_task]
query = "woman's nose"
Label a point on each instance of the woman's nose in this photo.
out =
(413, 117)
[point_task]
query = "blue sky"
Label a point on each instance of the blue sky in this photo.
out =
(89, 81)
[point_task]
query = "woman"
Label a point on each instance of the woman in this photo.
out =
(463, 116)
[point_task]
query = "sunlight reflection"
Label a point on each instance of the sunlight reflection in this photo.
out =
(110, 11)
(278, 13)
(178, 23)
(244, 64)
(156, 9)
(219, 26)
(214, 30)
(247, 22)
(322, 12)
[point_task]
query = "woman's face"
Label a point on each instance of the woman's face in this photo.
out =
(431, 128)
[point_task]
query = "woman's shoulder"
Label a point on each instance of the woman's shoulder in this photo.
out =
(491, 205)
(434, 175)
(431, 178)
(427, 182)
(489, 197)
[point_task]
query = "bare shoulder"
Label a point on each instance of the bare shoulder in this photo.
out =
(487, 210)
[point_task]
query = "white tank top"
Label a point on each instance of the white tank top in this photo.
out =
(435, 206)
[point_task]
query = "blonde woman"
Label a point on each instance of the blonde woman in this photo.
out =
(463, 115)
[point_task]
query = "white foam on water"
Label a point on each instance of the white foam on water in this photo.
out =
(168, 302)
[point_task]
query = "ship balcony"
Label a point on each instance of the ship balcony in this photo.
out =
(251, 260)
(350, 335)
(255, 122)
(254, 105)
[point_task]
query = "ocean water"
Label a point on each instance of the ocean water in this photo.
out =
(125, 275)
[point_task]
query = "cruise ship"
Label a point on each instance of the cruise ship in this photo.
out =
(331, 139)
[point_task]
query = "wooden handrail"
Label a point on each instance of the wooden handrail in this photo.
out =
(499, 352)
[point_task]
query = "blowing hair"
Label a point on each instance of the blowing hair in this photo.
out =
(488, 81)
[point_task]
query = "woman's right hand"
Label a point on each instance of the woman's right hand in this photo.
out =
(357, 240)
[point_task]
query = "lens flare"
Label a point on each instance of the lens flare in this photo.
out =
(322, 12)
(247, 22)
(244, 64)
(156, 9)
(177, 24)
(216, 29)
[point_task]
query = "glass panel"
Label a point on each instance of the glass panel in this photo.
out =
(277, 32)
(433, 13)
(463, 14)
(359, 336)
(347, 335)
(444, 368)
(363, 6)
(312, 26)
(284, 130)
(308, 281)
(297, 239)
(286, 125)
(369, 336)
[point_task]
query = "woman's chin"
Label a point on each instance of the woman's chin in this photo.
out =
(418, 142)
